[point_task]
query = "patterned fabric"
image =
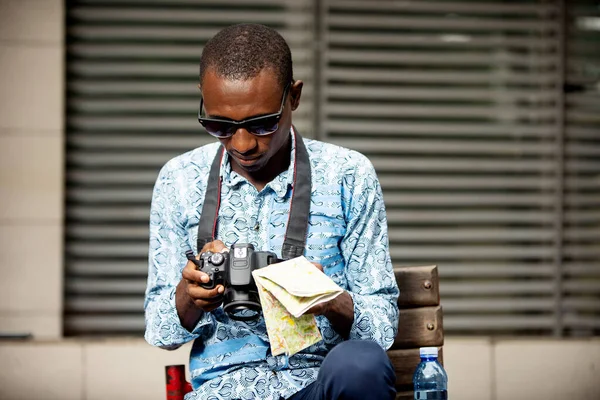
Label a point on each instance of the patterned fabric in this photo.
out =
(347, 234)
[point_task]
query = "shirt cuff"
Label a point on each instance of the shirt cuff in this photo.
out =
(329, 335)
(167, 331)
(368, 324)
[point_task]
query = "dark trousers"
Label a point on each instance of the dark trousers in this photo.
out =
(353, 370)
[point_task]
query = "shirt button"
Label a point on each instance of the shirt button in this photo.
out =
(257, 227)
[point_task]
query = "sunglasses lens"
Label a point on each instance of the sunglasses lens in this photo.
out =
(218, 129)
(265, 126)
(259, 127)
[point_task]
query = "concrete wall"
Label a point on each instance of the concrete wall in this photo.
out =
(31, 166)
(31, 274)
(478, 369)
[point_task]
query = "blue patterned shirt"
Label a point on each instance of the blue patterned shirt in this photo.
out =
(347, 234)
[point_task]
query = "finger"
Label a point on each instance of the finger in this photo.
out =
(316, 310)
(319, 266)
(209, 304)
(210, 307)
(216, 246)
(200, 293)
(193, 275)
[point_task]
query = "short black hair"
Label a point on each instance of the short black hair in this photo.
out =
(242, 51)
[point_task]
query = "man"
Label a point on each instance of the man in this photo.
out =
(248, 95)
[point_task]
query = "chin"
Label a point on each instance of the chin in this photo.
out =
(257, 166)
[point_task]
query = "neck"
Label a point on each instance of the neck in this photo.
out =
(277, 164)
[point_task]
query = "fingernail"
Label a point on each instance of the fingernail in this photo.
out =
(221, 289)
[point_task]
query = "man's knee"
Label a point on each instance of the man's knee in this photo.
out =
(364, 353)
(355, 366)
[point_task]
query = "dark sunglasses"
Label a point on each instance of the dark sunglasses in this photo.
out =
(259, 126)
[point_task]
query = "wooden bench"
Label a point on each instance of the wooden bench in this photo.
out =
(420, 325)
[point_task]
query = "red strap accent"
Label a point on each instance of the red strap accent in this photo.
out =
(214, 232)
(293, 185)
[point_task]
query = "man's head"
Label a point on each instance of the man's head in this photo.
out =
(244, 73)
(240, 52)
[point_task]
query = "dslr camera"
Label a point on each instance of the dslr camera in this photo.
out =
(233, 270)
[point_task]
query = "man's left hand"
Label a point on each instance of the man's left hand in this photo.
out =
(339, 311)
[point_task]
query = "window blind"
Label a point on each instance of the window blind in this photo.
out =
(132, 74)
(480, 118)
(581, 274)
(458, 105)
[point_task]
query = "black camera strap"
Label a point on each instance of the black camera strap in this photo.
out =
(295, 236)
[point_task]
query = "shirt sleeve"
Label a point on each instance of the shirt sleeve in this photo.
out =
(166, 256)
(369, 271)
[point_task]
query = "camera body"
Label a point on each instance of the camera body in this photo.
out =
(233, 270)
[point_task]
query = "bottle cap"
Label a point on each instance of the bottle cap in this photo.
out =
(428, 351)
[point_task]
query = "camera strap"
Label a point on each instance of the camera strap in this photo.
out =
(297, 227)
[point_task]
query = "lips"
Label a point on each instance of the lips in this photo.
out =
(247, 161)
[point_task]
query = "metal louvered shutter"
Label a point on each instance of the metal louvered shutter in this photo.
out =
(489, 169)
(581, 282)
(132, 71)
(458, 105)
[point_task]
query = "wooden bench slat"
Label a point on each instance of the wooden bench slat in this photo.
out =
(419, 286)
(405, 395)
(420, 327)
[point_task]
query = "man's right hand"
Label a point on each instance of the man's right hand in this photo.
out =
(192, 299)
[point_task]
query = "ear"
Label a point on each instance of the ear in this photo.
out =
(295, 93)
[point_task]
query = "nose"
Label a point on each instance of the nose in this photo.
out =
(243, 142)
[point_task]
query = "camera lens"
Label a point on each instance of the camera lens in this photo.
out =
(217, 259)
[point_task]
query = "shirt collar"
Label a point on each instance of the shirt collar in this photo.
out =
(280, 184)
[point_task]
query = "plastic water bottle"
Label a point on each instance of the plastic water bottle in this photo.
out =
(430, 380)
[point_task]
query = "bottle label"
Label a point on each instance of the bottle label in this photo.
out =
(431, 394)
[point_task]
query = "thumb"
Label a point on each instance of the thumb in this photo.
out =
(319, 266)
(216, 246)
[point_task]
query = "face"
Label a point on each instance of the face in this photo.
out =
(239, 100)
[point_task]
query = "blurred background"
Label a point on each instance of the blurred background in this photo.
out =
(482, 119)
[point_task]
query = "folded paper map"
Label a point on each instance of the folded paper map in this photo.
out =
(287, 290)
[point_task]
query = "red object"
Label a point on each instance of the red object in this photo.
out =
(177, 386)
